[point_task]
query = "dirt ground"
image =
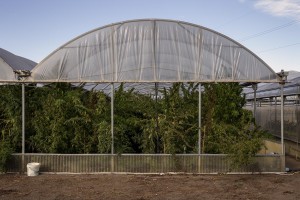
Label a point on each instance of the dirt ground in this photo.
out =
(138, 187)
(165, 186)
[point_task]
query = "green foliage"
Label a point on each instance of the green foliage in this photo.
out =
(61, 118)
(99, 103)
(228, 128)
(63, 121)
(5, 154)
(174, 130)
(10, 114)
(132, 111)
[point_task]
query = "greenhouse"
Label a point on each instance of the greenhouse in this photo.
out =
(11, 65)
(146, 55)
(268, 99)
(152, 51)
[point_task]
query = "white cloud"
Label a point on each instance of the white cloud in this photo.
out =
(286, 8)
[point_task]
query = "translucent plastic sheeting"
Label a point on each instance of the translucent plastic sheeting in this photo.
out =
(264, 90)
(7, 73)
(10, 62)
(152, 50)
(141, 88)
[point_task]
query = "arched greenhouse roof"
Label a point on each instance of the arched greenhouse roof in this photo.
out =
(152, 50)
(10, 62)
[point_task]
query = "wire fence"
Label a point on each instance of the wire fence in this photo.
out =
(142, 163)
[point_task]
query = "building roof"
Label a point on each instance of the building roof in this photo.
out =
(10, 62)
(264, 90)
(152, 50)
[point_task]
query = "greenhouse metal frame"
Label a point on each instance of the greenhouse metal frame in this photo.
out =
(149, 52)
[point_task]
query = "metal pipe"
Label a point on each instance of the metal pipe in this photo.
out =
(112, 127)
(254, 86)
(112, 118)
(199, 130)
(23, 118)
(199, 121)
(156, 118)
(23, 127)
(281, 118)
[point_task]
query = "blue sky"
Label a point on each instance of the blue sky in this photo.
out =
(269, 28)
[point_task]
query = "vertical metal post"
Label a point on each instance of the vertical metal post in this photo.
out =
(283, 77)
(281, 118)
(282, 128)
(199, 130)
(199, 122)
(112, 126)
(23, 118)
(254, 86)
(23, 126)
(156, 118)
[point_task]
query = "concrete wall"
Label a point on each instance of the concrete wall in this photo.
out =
(271, 147)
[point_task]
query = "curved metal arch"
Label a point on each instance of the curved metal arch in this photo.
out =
(220, 57)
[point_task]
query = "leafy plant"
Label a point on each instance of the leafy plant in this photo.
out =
(5, 155)
(10, 114)
(228, 128)
(61, 118)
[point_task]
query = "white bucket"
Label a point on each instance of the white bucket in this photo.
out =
(33, 169)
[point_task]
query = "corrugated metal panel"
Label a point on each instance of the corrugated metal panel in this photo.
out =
(141, 163)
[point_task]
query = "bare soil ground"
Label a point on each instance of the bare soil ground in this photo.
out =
(138, 187)
(141, 187)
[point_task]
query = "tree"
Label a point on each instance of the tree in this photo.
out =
(10, 116)
(131, 112)
(62, 123)
(177, 121)
(227, 127)
(61, 118)
(5, 154)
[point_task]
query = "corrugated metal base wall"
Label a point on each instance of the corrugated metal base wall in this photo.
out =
(141, 163)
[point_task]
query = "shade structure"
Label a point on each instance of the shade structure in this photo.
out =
(152, 50)
(10, 62)
(269, 90)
